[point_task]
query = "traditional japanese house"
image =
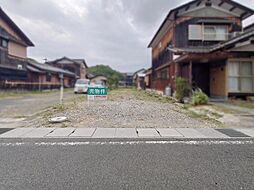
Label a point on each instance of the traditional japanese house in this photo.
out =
(13, 51)
(205, 42)
(44, 76)
(127, 80)
(77, 66)
(97, 79)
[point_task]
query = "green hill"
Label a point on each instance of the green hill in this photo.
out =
(113, 76)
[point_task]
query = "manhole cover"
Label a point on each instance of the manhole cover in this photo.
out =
(58, 119)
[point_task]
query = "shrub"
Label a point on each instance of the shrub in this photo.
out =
(182, 89)
(199, 98)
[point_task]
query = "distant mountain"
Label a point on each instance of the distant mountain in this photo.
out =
(113, 76)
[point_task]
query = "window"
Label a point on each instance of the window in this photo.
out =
(241, 76)
(48, 77)
(215, 33)
(158, 75)
(164, 74)
(195, 32)
(4, 43)
(208, 32)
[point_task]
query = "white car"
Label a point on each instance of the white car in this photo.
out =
(81, 86)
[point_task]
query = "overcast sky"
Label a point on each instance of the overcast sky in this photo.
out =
(110, 32)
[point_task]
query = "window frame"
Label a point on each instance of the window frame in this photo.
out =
(164, 74)
(240, 76)
(216, 32)
(48, 77)
(201, 35)
(4, 43)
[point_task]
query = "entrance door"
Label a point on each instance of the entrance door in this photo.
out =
(201, 77)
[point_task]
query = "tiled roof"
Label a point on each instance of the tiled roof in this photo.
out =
(46, 67)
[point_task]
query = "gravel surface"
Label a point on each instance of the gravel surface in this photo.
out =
(126, 109)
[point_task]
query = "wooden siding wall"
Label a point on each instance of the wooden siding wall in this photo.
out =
(11, 62)
(161, 84)
(14, 48)
(4, 25)
(165, 41)
(54, 82)
(17, 50)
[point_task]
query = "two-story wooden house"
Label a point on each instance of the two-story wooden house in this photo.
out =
(77, 66)
(13, 51)
(204, 41)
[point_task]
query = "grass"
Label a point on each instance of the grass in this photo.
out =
(137, 94)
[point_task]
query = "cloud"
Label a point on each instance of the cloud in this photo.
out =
(110, 32)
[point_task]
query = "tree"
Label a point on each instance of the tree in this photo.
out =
(113, 76)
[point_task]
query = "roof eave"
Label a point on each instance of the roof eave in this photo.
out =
(166, 19)
(18, 30)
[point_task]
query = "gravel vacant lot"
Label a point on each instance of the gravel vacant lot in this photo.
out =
(125, 108)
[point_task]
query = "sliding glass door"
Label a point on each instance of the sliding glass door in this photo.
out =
(240, 75)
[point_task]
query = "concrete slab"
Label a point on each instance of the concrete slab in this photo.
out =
(38, 133)
(61, 132)
(164, 132)
(190, 133)
(83, 132)
(211, 133)
(104, 133)
(126, 133)
(151, 132)
(16, 133)
(249, 132)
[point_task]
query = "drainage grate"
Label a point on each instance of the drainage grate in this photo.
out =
(4, 130)
(232, 133)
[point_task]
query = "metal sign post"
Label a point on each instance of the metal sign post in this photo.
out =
(62, 88)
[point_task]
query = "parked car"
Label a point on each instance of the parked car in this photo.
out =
(81, 86)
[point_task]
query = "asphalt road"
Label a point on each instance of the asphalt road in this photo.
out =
(30, 104)
(82, 164)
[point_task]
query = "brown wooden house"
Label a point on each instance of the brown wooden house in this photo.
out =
(204, 41)
(77, 66)
(13, 51)
(44, 76)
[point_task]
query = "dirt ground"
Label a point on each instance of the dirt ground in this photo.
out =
(126, 108)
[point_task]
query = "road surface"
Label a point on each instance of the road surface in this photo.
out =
(28, 105)
(104, 164)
